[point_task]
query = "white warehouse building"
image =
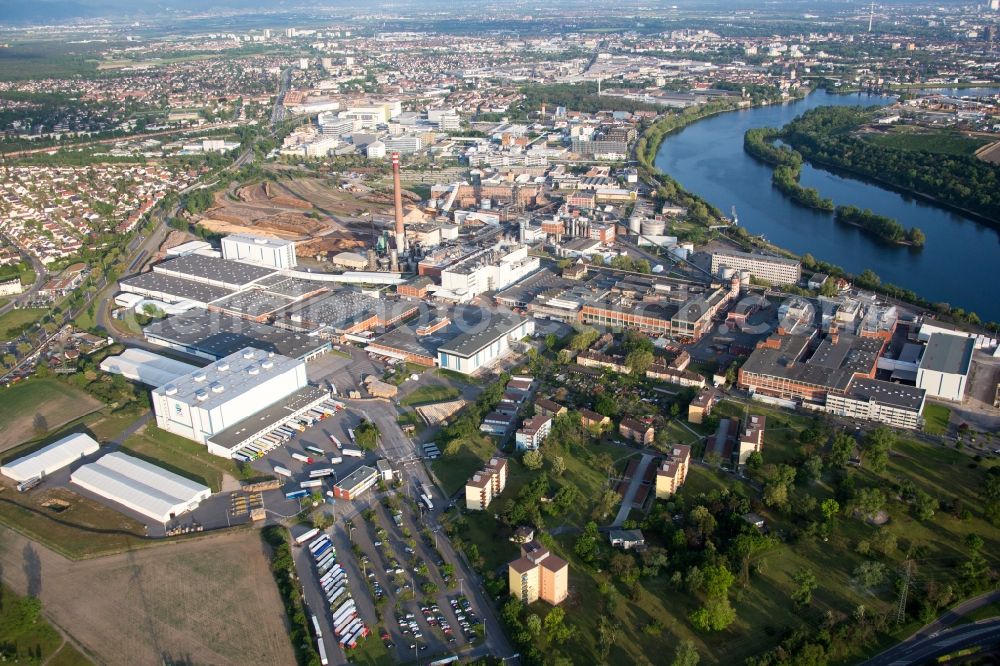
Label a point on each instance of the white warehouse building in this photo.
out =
(141, 486)
(944, 368)
(207, 401)
(51, 458)
(272, 252)
(486, 344)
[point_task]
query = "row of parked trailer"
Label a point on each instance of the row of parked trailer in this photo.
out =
(348, 628)
(287, 430)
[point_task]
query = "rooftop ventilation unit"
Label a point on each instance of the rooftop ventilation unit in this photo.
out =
(267, 365)
(223, 366)
(201, 394)
(217, 387)
(170, 389)
(253, 370)
(198, 376)
(247, 353)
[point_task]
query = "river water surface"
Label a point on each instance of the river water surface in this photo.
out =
(960, 264)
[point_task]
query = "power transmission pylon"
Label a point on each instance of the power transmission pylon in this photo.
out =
(901, 607)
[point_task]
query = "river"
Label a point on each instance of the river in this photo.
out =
(958, 265)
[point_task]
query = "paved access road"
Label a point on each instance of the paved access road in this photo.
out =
(985, 633)
(936, 638)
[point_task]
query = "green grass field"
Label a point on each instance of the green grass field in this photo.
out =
(30, 638)
(68, 656)
(936, 419)
(454, 471)
(429, 394)
(179, 455)
(15, 321)
(57, 402)
(943, 142)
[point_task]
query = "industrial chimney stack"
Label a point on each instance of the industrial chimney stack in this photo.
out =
(397, 191)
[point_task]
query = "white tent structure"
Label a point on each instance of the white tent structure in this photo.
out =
(141, 486)
(146, 367)
(51, 458)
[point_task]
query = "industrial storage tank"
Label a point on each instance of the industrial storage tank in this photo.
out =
(727, 273)
(635, 224)
(653, 227)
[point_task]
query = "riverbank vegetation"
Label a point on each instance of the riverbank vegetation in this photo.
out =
(759, 144)
(826, 135)
(787, 162)
(879, 225)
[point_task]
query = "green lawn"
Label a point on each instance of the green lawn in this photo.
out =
(936, 419)
(942, 142)
(430, 393)
(371, 651)
(26, 634)
(57, 403)
(180, 455)
(453, 471)
(15, 321)
(68, 656)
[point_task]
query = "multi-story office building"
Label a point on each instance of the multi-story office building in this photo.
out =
(776, 270)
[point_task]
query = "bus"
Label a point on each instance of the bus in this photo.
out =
(353, 453)
(306, 536)
(320, 473)
(428, 502)
(296, 494)
(282, 471)
(315, 449)
(301, 457)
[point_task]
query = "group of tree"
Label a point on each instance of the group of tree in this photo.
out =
(884, 227)
(787, 163)
(826, 135)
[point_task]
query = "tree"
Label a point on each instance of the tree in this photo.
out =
(532, 460)
(812, 469)
(870, 574)
(40, 424)
(842, 449)
(558, 466)
(366, 435)
(586, 543)
(606, 503)
(533, 624)
(639, 361)
(607, 635)
(884, 541)
(717, 613)
(703, 521)
(805, 583)
(830, 508)
(686, 654)
(924, 505)
(877, 445)
(870, 501)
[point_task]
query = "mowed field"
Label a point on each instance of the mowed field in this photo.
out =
(59, 403)
(943, 142)
(209, 600)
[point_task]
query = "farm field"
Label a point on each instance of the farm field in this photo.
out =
(58, 402)
(944, 143)
(211, 597)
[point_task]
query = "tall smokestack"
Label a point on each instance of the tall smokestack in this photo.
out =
(397, 191)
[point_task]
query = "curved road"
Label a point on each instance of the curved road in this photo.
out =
(940, 638)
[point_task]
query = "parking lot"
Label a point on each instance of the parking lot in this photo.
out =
(410, 581)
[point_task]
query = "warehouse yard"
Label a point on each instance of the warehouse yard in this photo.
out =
(210, 600)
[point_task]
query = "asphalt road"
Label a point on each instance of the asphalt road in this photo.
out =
(985, 633)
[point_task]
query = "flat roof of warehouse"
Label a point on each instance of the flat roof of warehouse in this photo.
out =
(213, 268)
(220, 334)
(495, 325)
(177, 287)
(268, 417)
(948, 353)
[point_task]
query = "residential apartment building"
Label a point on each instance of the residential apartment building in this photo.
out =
(533, 433)
(776, 270)
(538, 574)
(751, 439)
(637, 431)
(672, 472)
(701, 406)
(486, 485)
